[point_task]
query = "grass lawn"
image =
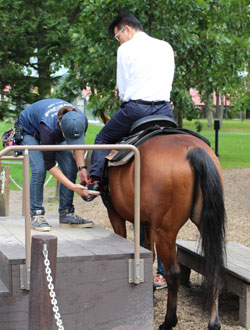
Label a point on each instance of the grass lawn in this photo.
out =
(233, 146)
(233, 142)
(229, 126)
(91, 133)
(233, 149)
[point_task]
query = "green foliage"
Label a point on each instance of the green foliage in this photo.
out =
(198, 126)
(183, 105)
(209, 52)
(210, 40)
(240, 98)
(34, 36)
(94, 59)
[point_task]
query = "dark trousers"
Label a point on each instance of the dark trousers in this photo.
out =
(119, 126)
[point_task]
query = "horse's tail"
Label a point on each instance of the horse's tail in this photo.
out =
(213, 215)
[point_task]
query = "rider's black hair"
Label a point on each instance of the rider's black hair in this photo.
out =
(122, 20)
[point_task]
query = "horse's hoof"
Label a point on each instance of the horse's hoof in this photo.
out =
(214, 325)
(169, 324)
(165, 327)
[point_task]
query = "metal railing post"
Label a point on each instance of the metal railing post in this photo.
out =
(137, 262)
(26, 193)
(23, 193)
(25, 269)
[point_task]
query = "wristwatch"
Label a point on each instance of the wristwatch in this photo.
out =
(82, 167)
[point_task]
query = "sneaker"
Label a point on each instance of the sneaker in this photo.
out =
(93, 188)
(89, 198)
(39, 222)
(73, 220)
(160, 282)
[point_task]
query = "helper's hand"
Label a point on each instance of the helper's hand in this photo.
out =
(80, 190)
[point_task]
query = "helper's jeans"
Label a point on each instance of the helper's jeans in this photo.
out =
(38, 174)
(119, 126)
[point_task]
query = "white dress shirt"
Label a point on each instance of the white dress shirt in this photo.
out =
(145, 69)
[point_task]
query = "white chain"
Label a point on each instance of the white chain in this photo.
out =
(51, 288)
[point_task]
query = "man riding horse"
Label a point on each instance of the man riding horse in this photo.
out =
(145, 71)
(184, 180)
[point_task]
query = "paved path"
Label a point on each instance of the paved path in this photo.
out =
(15, 203)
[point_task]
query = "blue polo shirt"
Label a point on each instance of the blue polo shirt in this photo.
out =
(44, 111)
(40, 120)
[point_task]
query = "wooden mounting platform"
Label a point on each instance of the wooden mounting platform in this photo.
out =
(92, 286)
(237, 271)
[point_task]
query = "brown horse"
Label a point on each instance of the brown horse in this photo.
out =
(181, 179)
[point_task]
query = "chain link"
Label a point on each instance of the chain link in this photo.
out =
(51, 288)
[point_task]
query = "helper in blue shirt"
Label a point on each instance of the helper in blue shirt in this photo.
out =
(49, 122)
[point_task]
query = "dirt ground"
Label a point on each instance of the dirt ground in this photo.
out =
(190, 315)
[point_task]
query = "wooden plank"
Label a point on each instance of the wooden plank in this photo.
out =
(40, 309)
(15, 227)
(72, 242)
(4, 190)
(244, 313)
(12, 249)
(96, 283)
(237, 268)
(86, 279)
(237, 261)
(3, 288)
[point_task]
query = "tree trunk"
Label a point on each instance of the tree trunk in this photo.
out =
(150, 17)
(44, 81)
(178, 117)
(222, 107)
(208, 110)
(217, 107)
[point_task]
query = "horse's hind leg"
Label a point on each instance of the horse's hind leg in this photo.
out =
(166, 251)
(214, 322)
(118, 223)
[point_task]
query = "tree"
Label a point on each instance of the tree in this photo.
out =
(210, 39)
(205, 48)
(35, 36)
(225, 33)
(95, 54)
(93, 62)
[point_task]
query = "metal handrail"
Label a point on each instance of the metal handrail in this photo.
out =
(26, 190)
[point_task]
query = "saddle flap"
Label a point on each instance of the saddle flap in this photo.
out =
(111, 154)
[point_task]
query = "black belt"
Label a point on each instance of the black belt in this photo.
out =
(148, 102)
